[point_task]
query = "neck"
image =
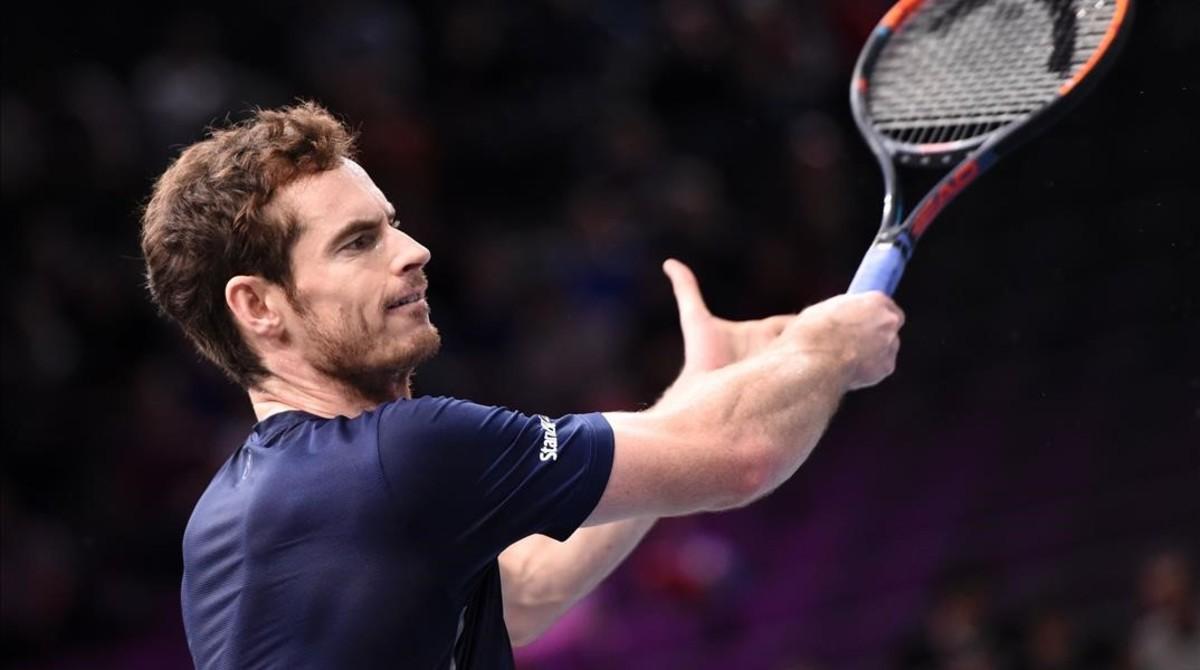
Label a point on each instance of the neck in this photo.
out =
(317, 393)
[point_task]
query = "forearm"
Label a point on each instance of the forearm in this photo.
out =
(721, 438)
(773, 407)
(543, 578)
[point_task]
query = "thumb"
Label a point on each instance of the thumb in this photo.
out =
(687, 292)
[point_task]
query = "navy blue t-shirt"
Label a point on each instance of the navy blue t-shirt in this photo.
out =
(371, 542)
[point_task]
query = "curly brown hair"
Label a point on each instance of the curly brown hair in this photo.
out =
(208, 219)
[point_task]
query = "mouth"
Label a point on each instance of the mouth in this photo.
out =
(406, 300)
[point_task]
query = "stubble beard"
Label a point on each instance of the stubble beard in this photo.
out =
(377, 370)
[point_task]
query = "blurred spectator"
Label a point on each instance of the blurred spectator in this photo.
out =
(1051, 641)
(189, 82)
(959, 631)
(1167, 637)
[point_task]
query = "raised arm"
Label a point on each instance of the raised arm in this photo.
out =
(542, 578)
(750, 403)
(723, 438)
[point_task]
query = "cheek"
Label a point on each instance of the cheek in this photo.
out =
(353, 320)
(365, 317)
(346, 319)
(333, 302)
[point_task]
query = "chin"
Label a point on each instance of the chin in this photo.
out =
(404, 353)
(423, 345)
(380, 372)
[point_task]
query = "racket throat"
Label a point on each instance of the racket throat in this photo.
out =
(899, 238)
(915, 180)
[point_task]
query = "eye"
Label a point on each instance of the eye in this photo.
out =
(395, 222)
(361, 242)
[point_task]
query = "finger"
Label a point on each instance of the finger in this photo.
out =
(686, 288)
(893, 307)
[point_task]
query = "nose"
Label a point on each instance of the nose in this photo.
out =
(408, 254)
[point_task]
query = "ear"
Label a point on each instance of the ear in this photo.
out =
(253, 305)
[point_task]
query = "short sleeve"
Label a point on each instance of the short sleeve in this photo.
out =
(480, 478)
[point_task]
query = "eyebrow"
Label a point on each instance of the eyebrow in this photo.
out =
(354, 228)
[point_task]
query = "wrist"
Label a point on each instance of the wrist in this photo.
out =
(836, 365)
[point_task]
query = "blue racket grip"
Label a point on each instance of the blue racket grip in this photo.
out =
(880, 270)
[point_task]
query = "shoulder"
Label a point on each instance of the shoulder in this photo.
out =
(423, 406)
(432, 416)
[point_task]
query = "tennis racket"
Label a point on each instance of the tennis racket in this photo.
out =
(956, 85)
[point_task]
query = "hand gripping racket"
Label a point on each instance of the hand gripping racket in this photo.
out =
(958, 84)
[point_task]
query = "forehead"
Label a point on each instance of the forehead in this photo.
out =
(325, 201)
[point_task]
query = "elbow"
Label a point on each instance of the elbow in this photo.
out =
(761, 473)
(753, 474)
(528, 614)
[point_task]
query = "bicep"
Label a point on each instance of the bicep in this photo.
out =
(662, 468)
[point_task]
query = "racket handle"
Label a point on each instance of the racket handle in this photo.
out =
(880, 269)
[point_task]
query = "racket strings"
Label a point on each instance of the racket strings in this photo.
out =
(959, 70)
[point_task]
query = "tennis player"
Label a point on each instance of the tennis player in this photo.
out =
(359, 527)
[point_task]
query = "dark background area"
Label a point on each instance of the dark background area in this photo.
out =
(1003, 501)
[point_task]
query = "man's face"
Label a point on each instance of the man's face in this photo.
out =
(360, 314)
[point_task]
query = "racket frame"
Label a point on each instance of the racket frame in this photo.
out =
(885, 260)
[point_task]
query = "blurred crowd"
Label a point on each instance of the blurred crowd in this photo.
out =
(551, 154)
(963, 631)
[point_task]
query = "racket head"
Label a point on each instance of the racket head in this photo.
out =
(938, 79)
